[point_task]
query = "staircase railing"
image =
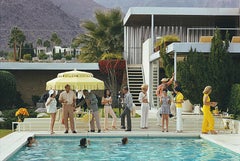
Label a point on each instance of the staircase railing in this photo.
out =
(127, 76)
(143, 74)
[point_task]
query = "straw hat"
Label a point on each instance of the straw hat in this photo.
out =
(164, 80)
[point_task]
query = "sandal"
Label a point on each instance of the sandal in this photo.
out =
(213, 132)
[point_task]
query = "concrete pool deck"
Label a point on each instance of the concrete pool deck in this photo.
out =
(14, 141)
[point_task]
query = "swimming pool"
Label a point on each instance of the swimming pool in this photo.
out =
(138, 148)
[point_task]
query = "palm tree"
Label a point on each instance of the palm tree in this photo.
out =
(103, 36)
(55, 39)
(17, 39)
(47, 44)
(39, 42)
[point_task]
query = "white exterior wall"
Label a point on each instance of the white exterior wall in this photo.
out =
(145, 60)
(146, 52)
(135, 36)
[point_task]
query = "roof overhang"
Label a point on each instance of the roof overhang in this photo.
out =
(48, 66)
(141, 16)
(184, 48)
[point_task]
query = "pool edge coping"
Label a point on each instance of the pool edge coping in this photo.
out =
(212, 139)
(17, 145)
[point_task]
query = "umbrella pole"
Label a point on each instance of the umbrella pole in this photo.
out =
(89, 121)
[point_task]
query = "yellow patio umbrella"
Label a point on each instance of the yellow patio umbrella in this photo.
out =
(78, 80)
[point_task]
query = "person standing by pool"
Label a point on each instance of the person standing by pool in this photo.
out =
(51, 105)
(92, 103)
(178, 102)
(173, 107)
(127, 105)
(107, 102)
(208, 120)
(165, 83)
(165, 102)
(143, 98)
(68, 100)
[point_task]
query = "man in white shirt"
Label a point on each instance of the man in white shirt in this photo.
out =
(68, 100)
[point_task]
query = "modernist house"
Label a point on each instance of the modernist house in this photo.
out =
(66, 50)
(142, 25)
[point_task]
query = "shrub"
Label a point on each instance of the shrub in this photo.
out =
(10, 56)
(57, 56)
(191, 75)
(167, 39)
(18, 102)
(109, 56)
(42, 56)
(234, 101)
(214, 69)
(8, 89)
(68, 57)
(27, 57)
(3, 54)
(9, 117)
(166, 59)
(35, 99)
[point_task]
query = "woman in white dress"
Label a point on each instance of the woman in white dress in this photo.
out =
(51, 105)
(143, 98)
(107, 102)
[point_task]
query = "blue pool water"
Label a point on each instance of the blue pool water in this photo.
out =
(138, 148)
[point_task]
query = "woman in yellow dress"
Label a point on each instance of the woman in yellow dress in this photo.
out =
(208, 120)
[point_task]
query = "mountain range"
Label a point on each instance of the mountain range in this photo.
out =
(40, 18)
(125, 4)
(81, 9)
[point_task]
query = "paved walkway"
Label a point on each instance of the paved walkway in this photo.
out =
(14, 141)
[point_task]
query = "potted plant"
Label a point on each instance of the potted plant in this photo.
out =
(165, 41)
(21, 113)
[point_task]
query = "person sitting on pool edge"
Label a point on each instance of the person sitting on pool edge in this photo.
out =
(124, 140)
(30, 141)
(84, 142)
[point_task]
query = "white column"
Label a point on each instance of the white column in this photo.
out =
(175, 65)
(152, 32)
(125, 44)
(151, 66)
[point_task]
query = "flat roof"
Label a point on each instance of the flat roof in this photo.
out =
(140, 16)
(48, 66)
(185, 47)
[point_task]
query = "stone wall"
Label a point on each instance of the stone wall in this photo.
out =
(33, 82)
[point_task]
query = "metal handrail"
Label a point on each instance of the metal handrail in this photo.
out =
(127, 77)
(208, 28)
